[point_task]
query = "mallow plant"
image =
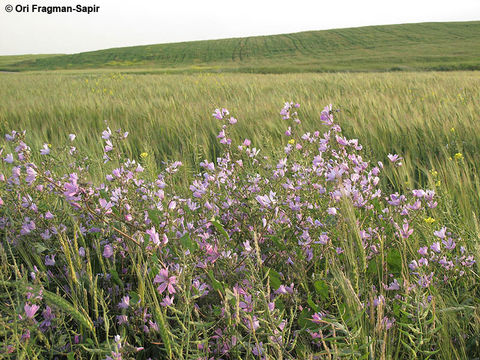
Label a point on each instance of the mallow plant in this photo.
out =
(298, 253)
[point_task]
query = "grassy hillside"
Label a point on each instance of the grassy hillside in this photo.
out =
(423, 46)
(8, 62)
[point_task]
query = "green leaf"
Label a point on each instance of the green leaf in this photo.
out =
(134, 297)
(188, 243)
(321, 288)
(279, 304)
(279, 243)
(304, 320)
(116, 279)
(39, 248)
(154, 259)
(394, 261)
(217, 285)
(372, 268)
(274, 277)
(220, 228)
(154, 216)
(314, 306)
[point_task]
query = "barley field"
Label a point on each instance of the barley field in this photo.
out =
(425, 117)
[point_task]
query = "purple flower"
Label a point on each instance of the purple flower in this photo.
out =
(258, 349)
(72, 137)
(282, 289)
(441, 233)
(423, 262)
(106, 134)
(166, 282)
(424, 280)
(122, 319)
(394, 159)
(388, 323)
(266, 200)
(423, 251)
(125, 303)
(413, 265)
(435, 247)
(167, 301)
(106, 205)
(31, 310)
(153, 235)
(48, 316)
(332, 211)
(108, 146)
(378, 300)
(219, 114)
(317, 317)
(107, 251)
(31, 175)
(449, 244)
(45, 150)
(8, 158)
(406, 232)
(9, 137)
(393, 286)
(50, 260)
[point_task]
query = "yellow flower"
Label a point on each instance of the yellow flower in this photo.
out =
(434, 172)
(49, 145)
(438, 183)
(429, 220)
(458, 156)
(143, 155)
(291, 141)
(452, 129)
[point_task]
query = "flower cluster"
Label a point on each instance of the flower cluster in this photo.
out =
(251, 251)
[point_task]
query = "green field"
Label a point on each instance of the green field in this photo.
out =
(7, 62)
(168, 115)
(423, 46)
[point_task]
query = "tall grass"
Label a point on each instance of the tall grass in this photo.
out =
(425, 117)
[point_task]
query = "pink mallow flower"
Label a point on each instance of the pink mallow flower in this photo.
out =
(154, 237)
(31, 310)
(168, 301)
(125, 303)
(440, 233)
(107, 251)
(166, 282)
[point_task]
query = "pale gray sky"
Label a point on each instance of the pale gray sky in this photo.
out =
(138, 22)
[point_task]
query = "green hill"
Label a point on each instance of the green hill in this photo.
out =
(423, 46)
(8, 62)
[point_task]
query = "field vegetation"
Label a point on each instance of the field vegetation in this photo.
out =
(347, 231)
(423, 46)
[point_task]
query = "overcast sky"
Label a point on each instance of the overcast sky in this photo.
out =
(138, 22)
